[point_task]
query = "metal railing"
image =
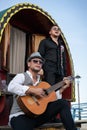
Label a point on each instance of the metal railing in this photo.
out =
(79, 113)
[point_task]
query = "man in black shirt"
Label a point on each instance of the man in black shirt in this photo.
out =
(52, 50)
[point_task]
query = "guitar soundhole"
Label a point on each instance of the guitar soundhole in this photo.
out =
(46, 92)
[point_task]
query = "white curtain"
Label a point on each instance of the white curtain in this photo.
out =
(17, 50)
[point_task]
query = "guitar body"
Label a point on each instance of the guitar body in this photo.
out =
(35, 106)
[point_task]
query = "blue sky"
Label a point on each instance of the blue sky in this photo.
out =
(71, 16)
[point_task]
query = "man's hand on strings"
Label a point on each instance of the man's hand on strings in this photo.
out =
(67, 84)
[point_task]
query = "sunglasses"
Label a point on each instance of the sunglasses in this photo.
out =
(56, 29)
(38, 61)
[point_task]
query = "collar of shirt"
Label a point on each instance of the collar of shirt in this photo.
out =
(38, 77)
(54, 42)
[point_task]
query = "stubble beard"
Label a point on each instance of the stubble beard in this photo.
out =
(34, 70)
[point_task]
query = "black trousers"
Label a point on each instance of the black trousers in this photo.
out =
(23, 122)
(52, 77)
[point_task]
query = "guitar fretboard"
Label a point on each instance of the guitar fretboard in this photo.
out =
(59, 85)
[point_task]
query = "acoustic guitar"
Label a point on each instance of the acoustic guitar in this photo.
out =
(34, 106)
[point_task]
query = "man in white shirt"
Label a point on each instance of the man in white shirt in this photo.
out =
(21, 86)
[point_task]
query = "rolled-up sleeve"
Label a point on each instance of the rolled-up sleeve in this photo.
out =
(16, 85)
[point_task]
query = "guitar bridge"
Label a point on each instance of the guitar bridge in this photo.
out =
(35, 99)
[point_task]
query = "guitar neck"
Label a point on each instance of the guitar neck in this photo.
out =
(59, 85)
(55, 87)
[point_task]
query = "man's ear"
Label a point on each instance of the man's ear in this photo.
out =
(49, 32)
(28, 64)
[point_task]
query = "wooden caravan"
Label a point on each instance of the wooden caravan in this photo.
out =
(21, 28)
